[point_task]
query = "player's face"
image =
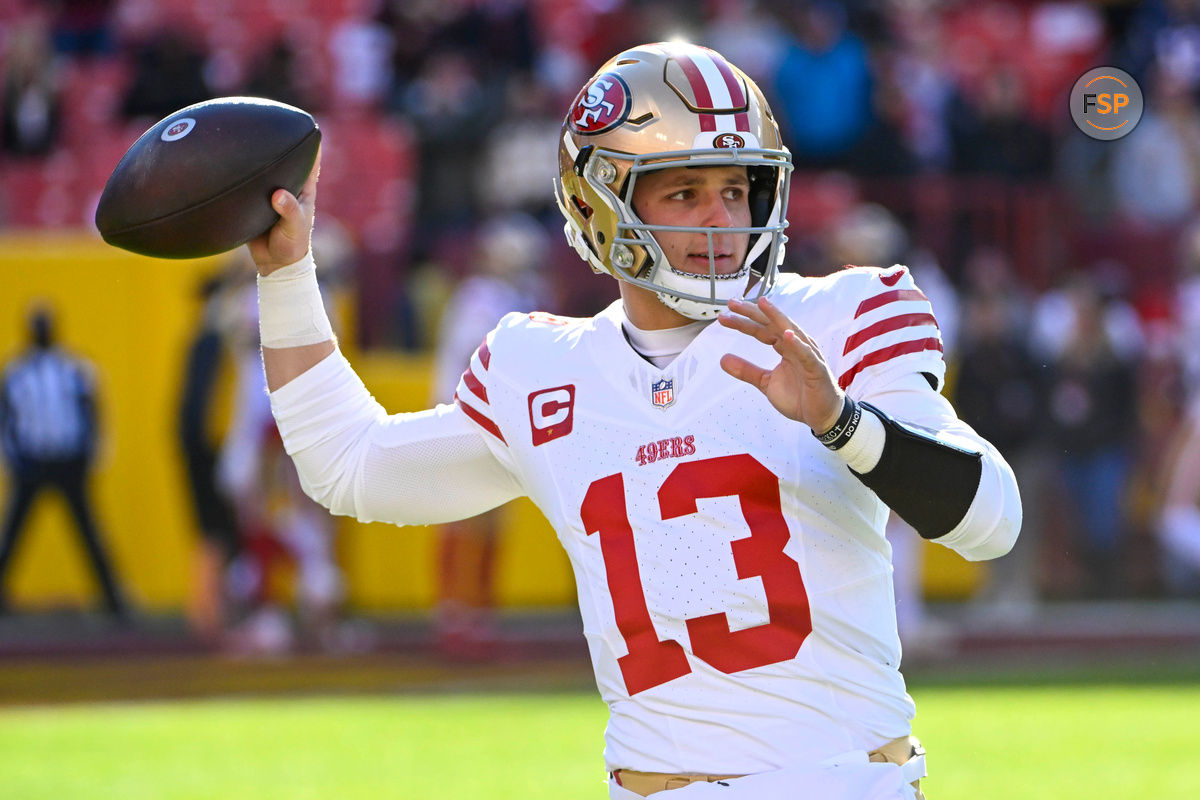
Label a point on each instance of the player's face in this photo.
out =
(703, 197)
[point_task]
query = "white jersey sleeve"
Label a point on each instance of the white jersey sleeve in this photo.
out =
(409, 469)
(472, 397)
(989, 528)
(880, 339)
(891, 330)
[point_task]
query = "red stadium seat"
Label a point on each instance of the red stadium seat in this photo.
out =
(370, 169)
(91, 98)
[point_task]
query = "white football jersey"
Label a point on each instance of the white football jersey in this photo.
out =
(733, 575)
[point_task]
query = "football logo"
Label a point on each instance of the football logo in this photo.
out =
(730, 140)
(178, 129)
(551, 413)
(662, 393)
(601, 106)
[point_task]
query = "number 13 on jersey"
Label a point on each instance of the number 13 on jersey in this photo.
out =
(651, 661)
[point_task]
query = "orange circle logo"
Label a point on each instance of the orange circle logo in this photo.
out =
(1106, 103)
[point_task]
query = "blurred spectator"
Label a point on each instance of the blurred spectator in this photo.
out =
(921, 75)
(276, 76)
(31, 103)
(1091, 413)
(867, 235)
(362, 50)
(502, 33)
(1156, 170)
(510, 254)
(992, 132)
(278, 521)
(415, 26)
(83, 27)
(220, 540)
(168, 74)
(998, 392)
(1187, 307)
(48, 431)
(1055, 314)
(883, 149)
(823, 84)
(452, 114)
(1179, 524)
(1160, 29)
(520, 155)
(748, 34)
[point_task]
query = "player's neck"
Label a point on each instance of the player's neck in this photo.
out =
(646, 312)
(661, 346)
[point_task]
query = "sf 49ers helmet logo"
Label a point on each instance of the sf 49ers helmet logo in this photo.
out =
(601, 106)
(729, 140)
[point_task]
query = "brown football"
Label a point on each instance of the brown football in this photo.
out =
(200, 181)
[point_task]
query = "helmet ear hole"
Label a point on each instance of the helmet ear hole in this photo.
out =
(583, 208)
(761, 195)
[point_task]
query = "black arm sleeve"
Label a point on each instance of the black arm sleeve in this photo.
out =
(929, 483)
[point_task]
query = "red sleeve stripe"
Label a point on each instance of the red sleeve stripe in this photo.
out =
(895, 296)
(886, 326)
(485, 355)
(480, 419)
(474, 385)
(887, 354)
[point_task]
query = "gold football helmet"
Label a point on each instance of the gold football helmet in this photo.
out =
(669, 105)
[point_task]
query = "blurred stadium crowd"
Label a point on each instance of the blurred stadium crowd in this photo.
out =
(1065, 271)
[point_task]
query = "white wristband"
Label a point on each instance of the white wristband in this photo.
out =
(865, 447)
(291, 312)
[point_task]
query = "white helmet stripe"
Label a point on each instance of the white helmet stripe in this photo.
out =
(737, 94)
(714, 80)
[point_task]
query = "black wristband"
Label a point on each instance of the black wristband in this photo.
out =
(847, 423)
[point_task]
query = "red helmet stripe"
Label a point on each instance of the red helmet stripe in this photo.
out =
(736, 96)
(703, 97)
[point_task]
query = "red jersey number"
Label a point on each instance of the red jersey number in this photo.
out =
(651, 661)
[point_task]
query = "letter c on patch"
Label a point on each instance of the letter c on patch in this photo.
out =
(551, 413)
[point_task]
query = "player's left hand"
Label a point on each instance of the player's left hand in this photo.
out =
(801, 386)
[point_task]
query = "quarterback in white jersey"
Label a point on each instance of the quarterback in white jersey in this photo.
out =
(717, 451)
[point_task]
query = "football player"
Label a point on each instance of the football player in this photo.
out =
(718, 450)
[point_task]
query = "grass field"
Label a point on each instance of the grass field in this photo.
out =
(998, 743)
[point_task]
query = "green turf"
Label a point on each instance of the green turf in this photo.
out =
(1059, 742)
(1086, 741)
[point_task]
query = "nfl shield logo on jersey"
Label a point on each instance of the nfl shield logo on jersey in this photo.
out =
(662, 393)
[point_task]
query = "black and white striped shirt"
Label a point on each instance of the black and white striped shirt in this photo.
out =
(47, 407)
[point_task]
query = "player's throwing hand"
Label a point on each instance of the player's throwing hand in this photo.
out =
(288, 239)
(800, 387)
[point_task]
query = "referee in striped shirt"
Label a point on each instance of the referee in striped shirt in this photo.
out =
(48, 434)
